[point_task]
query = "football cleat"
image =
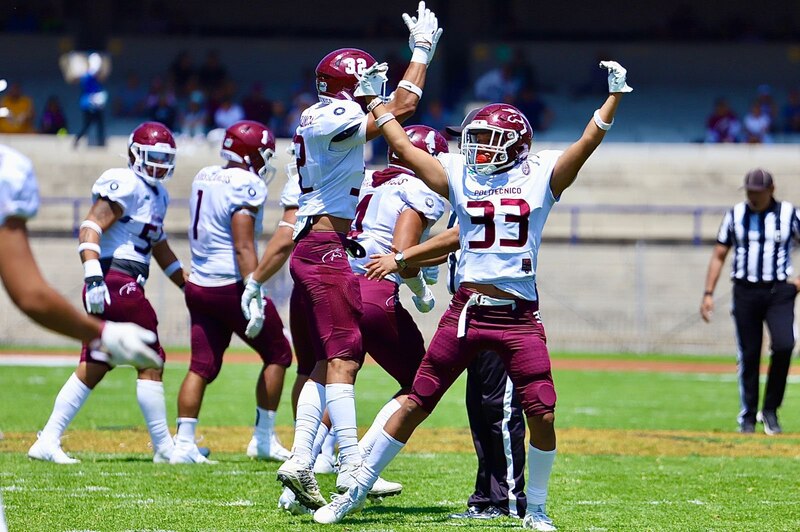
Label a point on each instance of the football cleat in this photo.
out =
(536, 519)
(288, 503)
(299, 478)
(49, 450)
(188, 454)
(382, 488)
(267, 449)
(350, 502)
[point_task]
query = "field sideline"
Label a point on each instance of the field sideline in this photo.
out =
(647, 449)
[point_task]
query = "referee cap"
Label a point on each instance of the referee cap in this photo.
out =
(456, 130)
(757, 179)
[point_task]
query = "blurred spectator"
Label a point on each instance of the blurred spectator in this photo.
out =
(180, 72)
(131, 99)
(93, 101)
(193, 120)
(497, 85)
(212, 73)
(437, 116)
(228, 112)
(278, 124)
(165, 110)
(158, 89)
(757, 125)
(767, 104)
(723, 125)
(20, 111)
(300, 103)
(256, 106)
(53, 120)
(791, 112)
(535, 109)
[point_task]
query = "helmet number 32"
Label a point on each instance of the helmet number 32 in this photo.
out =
(354, 65)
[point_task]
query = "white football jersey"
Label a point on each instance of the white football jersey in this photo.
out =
(144, 208)
(217, 193)
(330, 172)
(19, 192)
(384, 196)
(501, 218)
(290, 195)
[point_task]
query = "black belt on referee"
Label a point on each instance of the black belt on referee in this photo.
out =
(757, 284)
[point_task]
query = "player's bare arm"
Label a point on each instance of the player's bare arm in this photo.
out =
(718, 256)
(574, 157)
(243, 233)
(279, 248)
(170, 263)
(433, 248)
(102, 215)
(407, 232)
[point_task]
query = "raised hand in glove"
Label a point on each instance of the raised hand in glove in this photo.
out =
(424, 32)
(616, 77)
(372, 80)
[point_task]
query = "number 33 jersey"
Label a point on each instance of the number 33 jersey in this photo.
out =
(217, 194)
(501, 217)
(144, 208)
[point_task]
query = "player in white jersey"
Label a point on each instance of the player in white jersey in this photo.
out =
(123, 229)
(226, 215)
(329, 145)
(501, 194)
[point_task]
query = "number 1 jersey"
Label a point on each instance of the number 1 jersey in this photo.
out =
(501, 218)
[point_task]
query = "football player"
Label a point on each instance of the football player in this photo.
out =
(501, 193)
(329, 145)
(123, 229)
(226, 213)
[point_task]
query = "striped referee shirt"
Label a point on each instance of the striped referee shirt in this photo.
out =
(762, 241)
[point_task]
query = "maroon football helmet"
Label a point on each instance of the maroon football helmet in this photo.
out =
(151, 152)
(497, 138)
(251, 143)
(423, 137)
(336, 73)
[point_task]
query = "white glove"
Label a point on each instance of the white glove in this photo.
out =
(371, 82)
(424, 30)
(126, 344)
(616, 77)
(430, 274)
(252, 292)
(426, 302)
(97, 296)
(253, 306)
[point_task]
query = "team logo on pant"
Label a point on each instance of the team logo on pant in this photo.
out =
(128, 288)
(332, 255)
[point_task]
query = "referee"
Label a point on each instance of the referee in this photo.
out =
(761, 232)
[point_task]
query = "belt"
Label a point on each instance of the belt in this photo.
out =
(483, 301)
(757, 284)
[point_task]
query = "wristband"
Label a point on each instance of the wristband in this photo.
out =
(381, 120)
(410, 87)
(172, 268)
(420, 55)
(284, 223)
(708, 293)
(89, 246)
(88, 224)
(605, 126)
(374, 103)
(92, 268)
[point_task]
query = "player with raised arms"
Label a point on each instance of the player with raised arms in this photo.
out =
(501, 193)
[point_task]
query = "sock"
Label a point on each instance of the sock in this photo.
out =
(150, 395)
(383, 451)
(322, 434)
(186, 429)
(368, 440)
(310, 405)
(329, 444)
(68, 401)
(540, 463)
(342, 409)
(265, 422)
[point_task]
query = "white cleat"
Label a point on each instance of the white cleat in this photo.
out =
(187, 454)
(49, 450)
(536, 519)
(288, 503)
(325, 465)
(382, 488)
(300, 479)
(267, 449)
(350, 502)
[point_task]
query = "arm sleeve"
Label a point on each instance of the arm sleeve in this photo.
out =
(119, 188)
(725, 233)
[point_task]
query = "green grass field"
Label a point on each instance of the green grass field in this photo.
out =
(638, 451)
